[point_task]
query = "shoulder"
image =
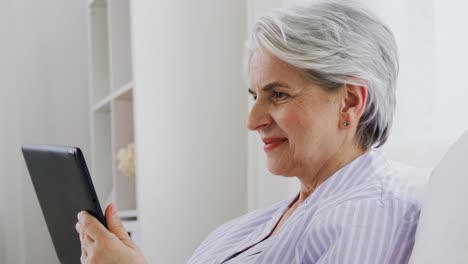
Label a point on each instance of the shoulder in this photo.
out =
(369, 179)
(380, 216)
(386, 211)
(399, 194)
(388, 193)
(387, 188)
(384, 203)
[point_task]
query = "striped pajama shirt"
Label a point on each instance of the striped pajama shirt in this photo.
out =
(362, 214)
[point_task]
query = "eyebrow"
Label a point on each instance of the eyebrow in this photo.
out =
(270, 86)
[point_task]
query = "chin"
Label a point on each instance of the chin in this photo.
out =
(278, 169)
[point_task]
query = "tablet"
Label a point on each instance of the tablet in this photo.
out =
(63, 187)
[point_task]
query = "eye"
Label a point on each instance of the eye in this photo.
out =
(253, 94)
(279, 95)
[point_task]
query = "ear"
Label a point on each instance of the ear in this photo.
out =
(354, 103)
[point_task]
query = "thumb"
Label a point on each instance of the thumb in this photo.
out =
(115, 226)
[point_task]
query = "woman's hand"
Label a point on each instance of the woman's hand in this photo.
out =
(99, 245)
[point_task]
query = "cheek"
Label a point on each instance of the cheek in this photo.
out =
(299, 129)
(308, 130)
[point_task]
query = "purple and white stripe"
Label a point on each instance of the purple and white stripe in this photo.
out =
(361, 214)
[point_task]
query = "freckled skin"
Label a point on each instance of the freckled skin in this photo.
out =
(308, 116)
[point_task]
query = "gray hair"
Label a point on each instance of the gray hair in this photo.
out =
(334, 43)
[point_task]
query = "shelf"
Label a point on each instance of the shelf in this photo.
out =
(102, 149)
(97, 3)
(119, 43)
(123, 134)
(103, 105)
(111, 102)
(125, 214)
(99, 54)
(123, 93)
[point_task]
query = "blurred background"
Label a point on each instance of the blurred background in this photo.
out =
(167, 76)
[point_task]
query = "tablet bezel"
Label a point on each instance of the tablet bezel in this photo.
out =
(63, 186)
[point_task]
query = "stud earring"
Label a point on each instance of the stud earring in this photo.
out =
(346, 123)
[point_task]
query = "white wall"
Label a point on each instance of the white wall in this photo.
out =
(45, 100)
(190, 119)
(451, 65)
(430, 97)
(11, 232)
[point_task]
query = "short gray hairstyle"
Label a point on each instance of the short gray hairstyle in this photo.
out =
(334, 43)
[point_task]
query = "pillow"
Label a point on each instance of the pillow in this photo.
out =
(442, 235)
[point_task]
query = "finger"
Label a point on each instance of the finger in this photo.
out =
(84, 256)
(90, 226)
(77, 227)
(88, 244)
(81, 233)
(84, 253)
(114, 224)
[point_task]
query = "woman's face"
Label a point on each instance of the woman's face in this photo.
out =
(297, 120)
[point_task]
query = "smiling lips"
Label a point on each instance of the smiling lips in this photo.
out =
(272, 142)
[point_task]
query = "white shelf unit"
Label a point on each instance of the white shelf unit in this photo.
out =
(111, 101)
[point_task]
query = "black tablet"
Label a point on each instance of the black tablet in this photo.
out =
(63, 187)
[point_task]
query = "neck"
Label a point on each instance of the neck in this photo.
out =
(310, 182)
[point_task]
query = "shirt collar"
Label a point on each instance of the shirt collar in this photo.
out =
(366, 166)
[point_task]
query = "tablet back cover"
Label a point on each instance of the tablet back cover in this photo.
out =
(63, 187)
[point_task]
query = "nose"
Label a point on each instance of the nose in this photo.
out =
(259, 116)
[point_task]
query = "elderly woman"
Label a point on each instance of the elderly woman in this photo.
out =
(323, 78)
